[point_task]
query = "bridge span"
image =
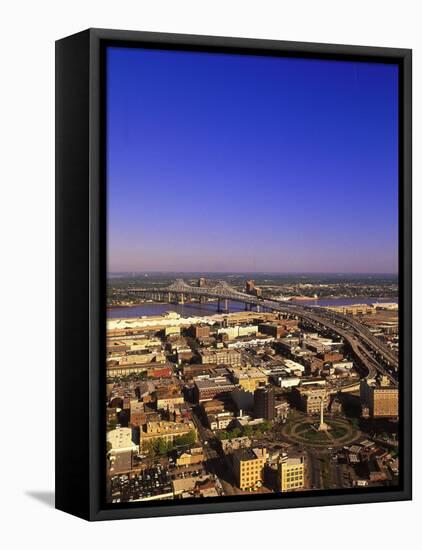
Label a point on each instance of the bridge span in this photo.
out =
(372, 354)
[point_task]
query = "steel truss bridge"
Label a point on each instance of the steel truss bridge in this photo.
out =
(372, 354)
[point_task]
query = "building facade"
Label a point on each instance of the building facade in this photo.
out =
(264, 403)
(291, 473)
(248, 468)
(310, 398)
(380, 398)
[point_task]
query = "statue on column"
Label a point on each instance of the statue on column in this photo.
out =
(323, 427)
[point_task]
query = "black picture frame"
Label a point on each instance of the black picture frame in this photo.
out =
(81, 271)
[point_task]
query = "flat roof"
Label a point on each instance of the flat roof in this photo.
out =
(245, 454)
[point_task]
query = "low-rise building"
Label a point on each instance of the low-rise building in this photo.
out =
(194, 456)
(293, 367)
(221, 357)
(272, 329)
(200, 331)
(122, 439)
(166, 430)
(238, 331)
(249, 378)
(282, 409)
(213, 406)
(210, 388)
(167, 398)
(310, 397)
(170, 331)
(219, 421)
(230, 445)
(284, 380)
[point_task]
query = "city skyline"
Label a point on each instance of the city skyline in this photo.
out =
(252, 333)
(223, 198)
(233, 272)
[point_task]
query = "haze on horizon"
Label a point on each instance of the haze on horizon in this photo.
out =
(225, 163)
(238, 273)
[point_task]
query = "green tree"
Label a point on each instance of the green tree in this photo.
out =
(236, 432)
(266, 426)
(186, 439)
(148, 448)
(161, 447)
(247, 431)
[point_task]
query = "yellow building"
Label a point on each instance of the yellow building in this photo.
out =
(249, 378)
(381, 398)
(248, 468)
(168, 331)
(291, 473)
(355, 309)
(194, 456)
(165, 430)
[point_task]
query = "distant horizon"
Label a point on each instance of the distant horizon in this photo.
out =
(240, 163)
(232, 272)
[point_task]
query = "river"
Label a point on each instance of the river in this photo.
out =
(196, 309)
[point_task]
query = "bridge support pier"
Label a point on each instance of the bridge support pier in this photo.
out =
(182, 299)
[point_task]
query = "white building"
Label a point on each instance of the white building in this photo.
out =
(121, 440)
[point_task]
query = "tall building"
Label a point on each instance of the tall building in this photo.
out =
(380, 398)
(252, 289)
(264, 403)
(248, 468)
(250, 286)
(291, 473)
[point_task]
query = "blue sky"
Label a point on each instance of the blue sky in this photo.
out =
(221, 162)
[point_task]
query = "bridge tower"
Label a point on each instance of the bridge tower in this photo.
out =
(201, 284)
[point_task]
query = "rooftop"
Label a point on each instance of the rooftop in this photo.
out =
(245, 454)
